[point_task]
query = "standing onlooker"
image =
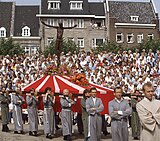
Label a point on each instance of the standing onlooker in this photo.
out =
(94, 106)
(135, 122)
(149, 113)
(4, 100)
(49, 115)
(119, 110)
(32, 101)
(66, 115)
(86, 95)
(17, 100)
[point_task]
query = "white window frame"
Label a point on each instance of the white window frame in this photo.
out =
(2, 32)
(122, 38)
(26, 31)
(70, 22)
(76, 5)
(80, 23)
(50, 22)
(132, 40)
(80, 42)
(49, 40)
(139, 38)
(71, 39)
(94, 41)
(134, 18)
(54, 5)
(151, 36)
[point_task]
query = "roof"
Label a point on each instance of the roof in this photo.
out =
(5, 16)
(26, 16)
(97, 9)
(88, 8)
(122, 10)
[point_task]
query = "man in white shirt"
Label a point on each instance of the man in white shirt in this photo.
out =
(119, 110)
(94, 106)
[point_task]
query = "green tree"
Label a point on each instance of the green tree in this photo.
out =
(66, 47)
(149, 44)
(108, 47)
(7, 46)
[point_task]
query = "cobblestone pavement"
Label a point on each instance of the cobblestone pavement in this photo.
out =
(25, 137)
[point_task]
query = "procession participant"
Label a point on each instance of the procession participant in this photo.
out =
(94, 106)
(149, 113)
(32, 101)
(4, 101)
(86, 94)
(119, 110)
(49, 115)
(66, 114)
(17, 100)
(135, 122)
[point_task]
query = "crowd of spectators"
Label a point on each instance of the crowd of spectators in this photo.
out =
(126, 68)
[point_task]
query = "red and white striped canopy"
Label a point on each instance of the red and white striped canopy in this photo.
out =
(59, 83)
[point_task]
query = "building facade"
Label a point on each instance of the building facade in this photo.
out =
(21, 24)
(125, 23)
(130, 23)
(89, 18)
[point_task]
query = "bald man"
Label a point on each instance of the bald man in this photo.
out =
(66, 116)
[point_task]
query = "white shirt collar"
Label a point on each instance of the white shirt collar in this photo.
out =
(94, 99)
(146, 99)
(119, 101)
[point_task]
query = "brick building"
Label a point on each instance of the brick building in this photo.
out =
(126, 23)
(21, 24)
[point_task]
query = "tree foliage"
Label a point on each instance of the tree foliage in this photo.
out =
(108, 47)
(67, 46)
(8, 47)
(113, 47)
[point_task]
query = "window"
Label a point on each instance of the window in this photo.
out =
(2, 32)
(53, 4)
(27, 50)
(80, 42)
(31, 50)
(150, 36)
(97, 42)
(50, 22)
(76, 5)
(139, 38)
(49, 41)
(26, 31)
(97, 24)
(70, 39)
(54, 22)
(34, 50)
(134, 18)
(130, 38)
(70, 22)
(80, 23)
(119, 38)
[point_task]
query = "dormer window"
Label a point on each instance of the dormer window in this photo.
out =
(52, 4)
(76, 5)
(2, 32)
(26, 31)
(134, 18)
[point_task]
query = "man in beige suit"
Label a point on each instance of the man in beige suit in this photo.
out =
(149, 113)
